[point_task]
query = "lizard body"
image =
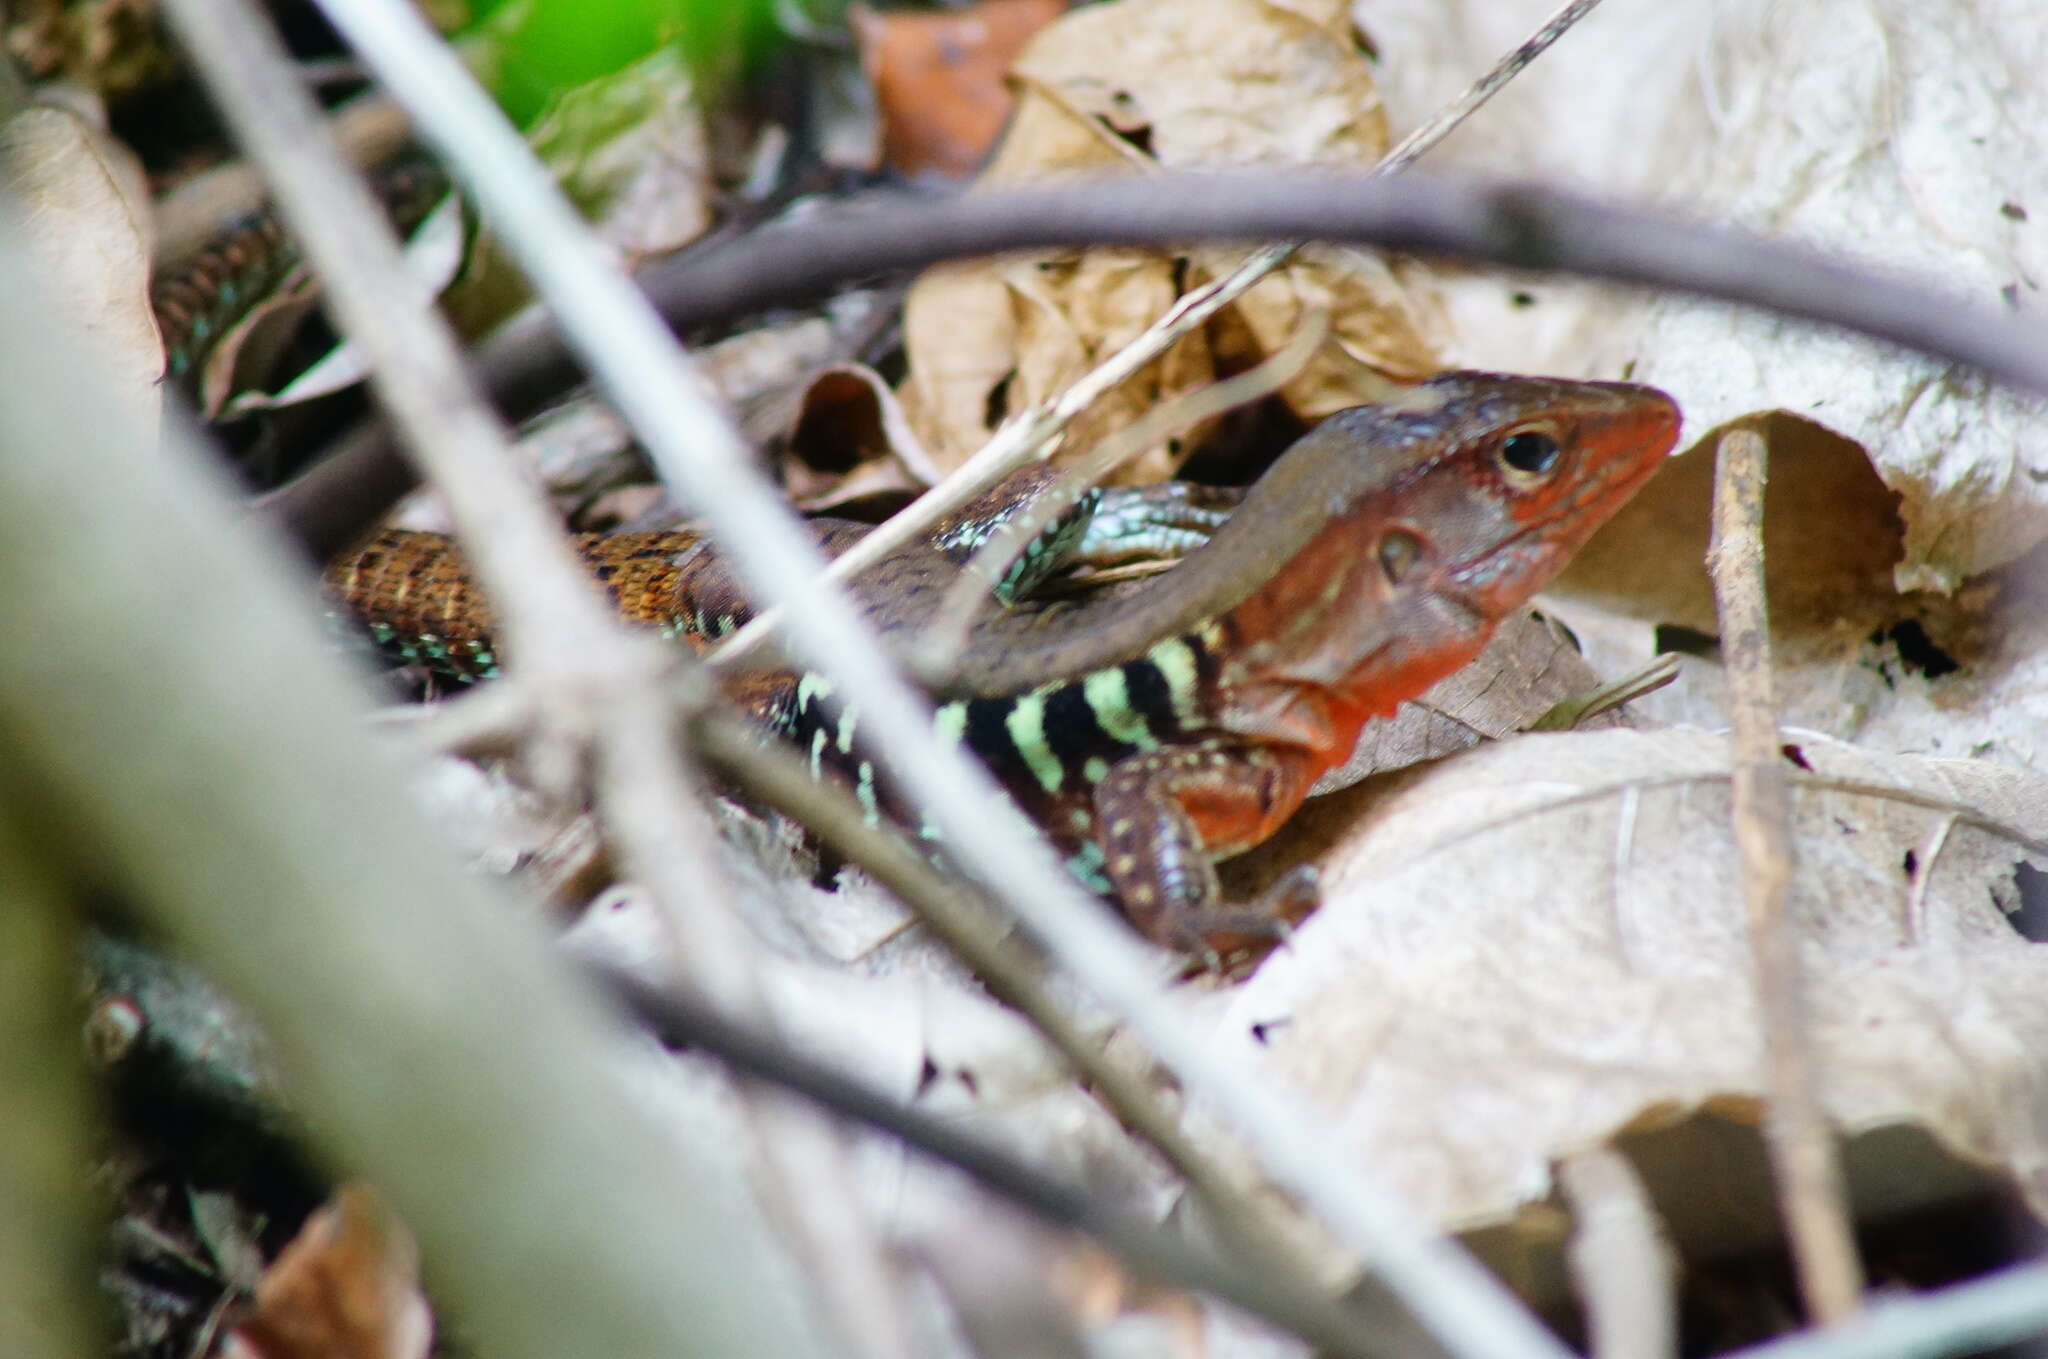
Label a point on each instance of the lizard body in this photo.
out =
(1182, 720)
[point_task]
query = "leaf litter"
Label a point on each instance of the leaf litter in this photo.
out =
(1535, 947)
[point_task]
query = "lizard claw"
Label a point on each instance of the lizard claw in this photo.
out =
(1212, 933)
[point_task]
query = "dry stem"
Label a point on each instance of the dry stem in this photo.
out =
(1802, 1149)
(1621, 1264)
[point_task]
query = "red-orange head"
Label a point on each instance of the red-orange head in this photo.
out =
(1525, 470)
(1406, 530)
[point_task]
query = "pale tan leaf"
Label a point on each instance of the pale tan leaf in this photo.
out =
(1905, 135)
(82, 199)
(1529, 947)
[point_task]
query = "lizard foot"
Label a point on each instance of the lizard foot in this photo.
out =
(1213, 933)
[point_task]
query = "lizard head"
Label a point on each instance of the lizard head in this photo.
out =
(1410, 528)
(1495, 481)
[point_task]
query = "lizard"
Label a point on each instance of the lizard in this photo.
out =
(1156, 730)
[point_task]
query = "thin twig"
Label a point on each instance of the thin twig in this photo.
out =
(1440, 124)
(1621, 1263)
(1973, 1318)
(1802, 1149)
(946, 634)
(703, 459)
(1519, 225)
(1033, 434)
(1298, 1309)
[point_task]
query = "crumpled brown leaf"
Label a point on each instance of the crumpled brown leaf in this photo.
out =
(1118, 89)
(938, 78)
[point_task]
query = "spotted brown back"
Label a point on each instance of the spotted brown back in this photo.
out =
(412, 593)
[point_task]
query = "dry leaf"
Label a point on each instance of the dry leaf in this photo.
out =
(236, 368)
(1964, 675)
(1904, 135)
(347, 1287)
(82, 198)
(1121, 88)
(849, 439)
(938, 78)
(1526, 948)
(246, 356)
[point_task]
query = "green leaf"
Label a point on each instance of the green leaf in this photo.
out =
(529, 51)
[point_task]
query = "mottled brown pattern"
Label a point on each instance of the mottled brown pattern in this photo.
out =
(413, 594)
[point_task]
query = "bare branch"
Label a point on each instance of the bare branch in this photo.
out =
(1520, 225)
(1973, 1318)
(1802, 1148)
(212, 759)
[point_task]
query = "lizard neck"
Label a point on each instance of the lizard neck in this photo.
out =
(1287, 510)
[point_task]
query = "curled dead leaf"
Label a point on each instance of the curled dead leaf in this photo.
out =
(1120, 89)
(849, 439)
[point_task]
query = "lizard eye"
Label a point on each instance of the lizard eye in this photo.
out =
(1399, 551)
(1530, 455)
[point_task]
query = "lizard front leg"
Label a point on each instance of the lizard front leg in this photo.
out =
(1163, 817)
